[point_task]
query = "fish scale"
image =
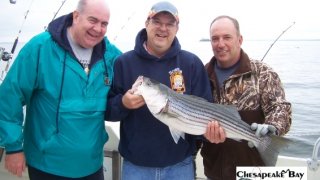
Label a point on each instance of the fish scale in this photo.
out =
(200, 107)
(194, 113)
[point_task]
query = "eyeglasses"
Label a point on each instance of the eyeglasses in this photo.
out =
(156, 23)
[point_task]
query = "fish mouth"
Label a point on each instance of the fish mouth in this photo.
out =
(136, 85)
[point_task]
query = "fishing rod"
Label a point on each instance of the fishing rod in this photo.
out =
(56, 13)
(20, 30)
(5, 56)
(277, 40)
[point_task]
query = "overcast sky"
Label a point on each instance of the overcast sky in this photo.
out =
(259, 19)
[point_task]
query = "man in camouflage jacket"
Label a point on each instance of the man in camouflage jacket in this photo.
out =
(253, 87)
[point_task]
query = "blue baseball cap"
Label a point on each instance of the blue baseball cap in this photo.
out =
(164, 6)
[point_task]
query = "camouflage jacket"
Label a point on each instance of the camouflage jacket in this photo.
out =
(257, 92)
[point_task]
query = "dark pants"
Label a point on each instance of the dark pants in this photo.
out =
(36, 174)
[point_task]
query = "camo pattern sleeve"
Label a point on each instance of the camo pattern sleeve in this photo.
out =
(255, 88)
(276, 108)
(259, 88)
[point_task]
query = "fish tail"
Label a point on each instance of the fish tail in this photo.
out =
(269, 148)
(176, 134)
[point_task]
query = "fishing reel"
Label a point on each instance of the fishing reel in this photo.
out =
(4, 55)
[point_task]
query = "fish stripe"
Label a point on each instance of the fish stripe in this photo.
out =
(194, 112)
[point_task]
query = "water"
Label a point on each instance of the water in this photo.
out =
(297, 63)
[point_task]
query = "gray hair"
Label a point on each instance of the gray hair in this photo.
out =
(81, 5)
(234, 21)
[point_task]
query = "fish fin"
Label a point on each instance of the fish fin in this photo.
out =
(176, 134)
(165, 108)
(270, 146)
(238, 140)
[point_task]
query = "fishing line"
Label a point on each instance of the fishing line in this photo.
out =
(277, 40)
(124, 25)
(6, 69)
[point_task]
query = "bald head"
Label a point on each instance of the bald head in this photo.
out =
(226, 40)
(90, 22)
(83, 4)
(233, 20)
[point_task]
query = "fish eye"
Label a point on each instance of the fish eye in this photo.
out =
(148, 83)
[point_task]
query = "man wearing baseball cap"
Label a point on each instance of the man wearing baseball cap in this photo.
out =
(164, 7)
(146, 144)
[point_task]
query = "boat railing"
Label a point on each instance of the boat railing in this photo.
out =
(1, 153)
(115, 163)
(314, 162)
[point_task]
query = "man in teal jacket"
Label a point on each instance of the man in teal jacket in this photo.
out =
(62, 77)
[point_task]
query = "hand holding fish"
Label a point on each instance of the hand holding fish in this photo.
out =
(132, 101)
(215, 133)
(263, 129)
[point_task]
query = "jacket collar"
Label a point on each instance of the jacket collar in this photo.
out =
(58, 30)
(244, 66)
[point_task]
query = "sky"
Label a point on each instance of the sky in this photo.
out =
(259, 19)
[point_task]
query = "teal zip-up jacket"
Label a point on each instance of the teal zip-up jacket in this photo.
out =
(63, 130)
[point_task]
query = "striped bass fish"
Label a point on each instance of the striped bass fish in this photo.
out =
(190, 114)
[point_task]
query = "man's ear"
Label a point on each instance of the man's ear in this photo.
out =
(75, 15)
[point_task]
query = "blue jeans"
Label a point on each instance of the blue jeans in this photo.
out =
(181, 171)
